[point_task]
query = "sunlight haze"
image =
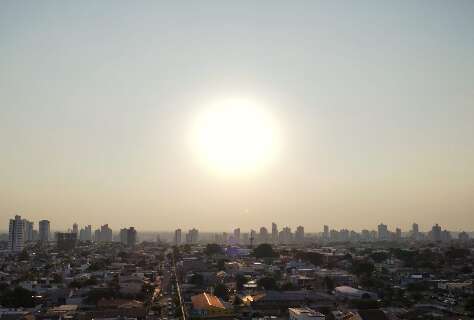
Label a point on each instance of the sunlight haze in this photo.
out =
(214, 114)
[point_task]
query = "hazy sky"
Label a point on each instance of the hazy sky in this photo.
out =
(374, 102)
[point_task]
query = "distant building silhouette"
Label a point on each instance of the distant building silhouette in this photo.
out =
(16, 234)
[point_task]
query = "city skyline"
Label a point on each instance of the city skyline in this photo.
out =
(273, 229)
(216, 115)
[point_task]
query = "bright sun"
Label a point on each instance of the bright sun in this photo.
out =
(235, 136)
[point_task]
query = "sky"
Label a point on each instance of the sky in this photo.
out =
(373, 102)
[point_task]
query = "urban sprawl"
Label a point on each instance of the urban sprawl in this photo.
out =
(276, 274)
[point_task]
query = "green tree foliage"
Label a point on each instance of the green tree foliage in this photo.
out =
(329, 284)
(312, 257)
(240, 280)
(379, 256)
(363, 304)
(469, 305)
(362, 268)
(264, 250)
(18, 297)
(196, 279)
(93, 296)
(418, 286)
(288, 286)
(267, 283)
(221, 265)
(453, 254)
(221, 291)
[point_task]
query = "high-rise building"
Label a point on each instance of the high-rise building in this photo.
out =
(354, 236)
(88, 233)
(123, 236)
(128, 236)
(16, 234)
(274, 232)
(344, 235)
(446, 235)
(253, 237)
(75, 228)
(365, 235)
(436, 234)
(463, 236)
(192, 236)
(237, 235)
(285, 236)
(28, 226)
(383, 232)
(326, 233)
(97, 235)
(263, 236)
(44, 230)
(415, 231)
(66, 240)
(177, 237)
(299, 234)
(131, 237)
(398, 234)
(105, 233)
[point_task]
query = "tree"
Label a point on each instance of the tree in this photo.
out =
(362, 267)
(93, 296)
(213, 249)
(314, 258)
(221, 291)
(18, 297)
(221, 265)
(264, 250)
(329, 283)
(469, 305)
(240, 280)
(379, 256)
(196, 279)
(287, 286)
(365, 304)
(267, 283)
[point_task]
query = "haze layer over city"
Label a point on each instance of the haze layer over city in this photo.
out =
(218, 115)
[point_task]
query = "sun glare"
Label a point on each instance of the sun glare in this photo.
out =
(235, 136)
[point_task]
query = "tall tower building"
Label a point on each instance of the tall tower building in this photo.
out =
(398, 234)
(326, 233)
(299, 234)
(383, 232)
(123, 236)
(192, 236)
(415, 231)
(131, 237)
(44, 230)
(75, 228)
(88, 233)
(436, 234)
(105, 233)
(237, 235)
(263, 236)
(274, 232)
(128, 236)
(28, 225)
(285, 236)
(16, 234)
(177, 237)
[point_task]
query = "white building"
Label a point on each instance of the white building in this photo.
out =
(16, 234)
(304, 314)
